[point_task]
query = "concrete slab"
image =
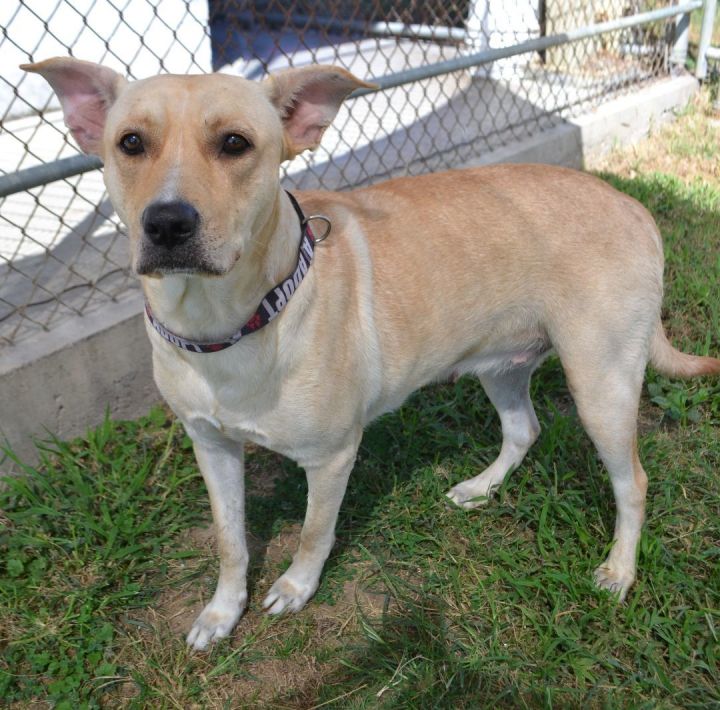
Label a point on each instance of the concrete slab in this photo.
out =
(63, 382)
(616, 123)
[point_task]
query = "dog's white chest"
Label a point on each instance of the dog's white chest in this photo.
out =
(236, 403)
(209, 427)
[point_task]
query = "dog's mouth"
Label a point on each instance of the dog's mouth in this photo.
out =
(160, 273)
(186, 259)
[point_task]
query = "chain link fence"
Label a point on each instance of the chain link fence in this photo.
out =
(442, 103)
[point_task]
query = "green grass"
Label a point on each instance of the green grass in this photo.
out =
(421, 605)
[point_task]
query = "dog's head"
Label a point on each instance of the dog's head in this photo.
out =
(191, 162)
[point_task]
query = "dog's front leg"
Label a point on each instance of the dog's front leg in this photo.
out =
(221, 464)
(326, 488)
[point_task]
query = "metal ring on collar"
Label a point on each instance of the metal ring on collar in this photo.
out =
(322, 217)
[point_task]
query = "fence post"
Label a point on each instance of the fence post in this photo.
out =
(678, 53)
(492, 24)
(705, 37)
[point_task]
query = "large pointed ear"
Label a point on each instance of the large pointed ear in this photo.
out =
(307, 100)
(86, 92)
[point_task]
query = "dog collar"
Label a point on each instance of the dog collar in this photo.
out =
(274, 301)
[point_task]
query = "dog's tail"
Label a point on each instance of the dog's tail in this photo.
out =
(669, 361)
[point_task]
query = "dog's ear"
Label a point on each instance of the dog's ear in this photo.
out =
(86, 92)
(307, 100)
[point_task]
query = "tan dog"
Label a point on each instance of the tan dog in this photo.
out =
(481, 271)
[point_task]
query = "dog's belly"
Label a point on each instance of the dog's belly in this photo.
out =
(501, 361)
(495, 359)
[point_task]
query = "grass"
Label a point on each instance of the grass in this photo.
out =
(106, 559)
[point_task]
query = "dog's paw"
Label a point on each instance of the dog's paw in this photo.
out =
(616, 581)
(288, 594)
(215, 622)
(470, 494)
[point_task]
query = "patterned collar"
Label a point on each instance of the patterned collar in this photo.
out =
(274, 301)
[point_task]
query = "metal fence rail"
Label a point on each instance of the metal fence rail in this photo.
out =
(705, 50)
(457, 79)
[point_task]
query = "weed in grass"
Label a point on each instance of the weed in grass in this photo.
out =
(680, 403)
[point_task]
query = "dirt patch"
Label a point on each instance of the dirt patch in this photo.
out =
(325, 631)
(358, 598)
(184, 588)
(649, 419)
(280, 662)
(282, 546)
(272, 678)
(176, 609)
(181, 601)
(262, 469)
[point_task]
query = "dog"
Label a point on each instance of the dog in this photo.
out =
(265, 331)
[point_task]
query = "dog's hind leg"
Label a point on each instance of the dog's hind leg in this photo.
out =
(607, 395)
(509, 393)
(326, 489)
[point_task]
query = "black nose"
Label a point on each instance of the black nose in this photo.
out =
(168, 224)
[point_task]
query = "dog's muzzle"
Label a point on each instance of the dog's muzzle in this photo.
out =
(169, 224)
(172, 241)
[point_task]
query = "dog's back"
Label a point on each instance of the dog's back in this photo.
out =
(498, 260)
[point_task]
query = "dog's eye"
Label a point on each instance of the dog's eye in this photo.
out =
(235, 144)
(131, 144)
